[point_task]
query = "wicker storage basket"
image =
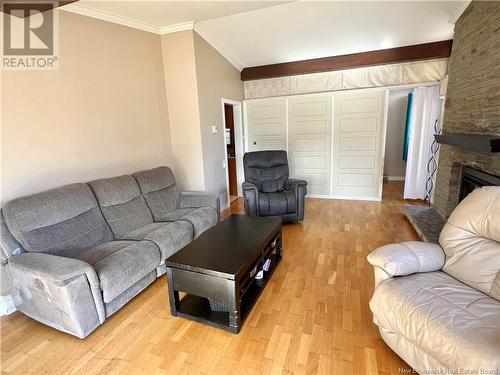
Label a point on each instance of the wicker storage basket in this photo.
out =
(218, 305)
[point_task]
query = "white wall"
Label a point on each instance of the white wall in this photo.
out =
(103, 113)
(184, 115)
(394, 165)
(197, 77)
(216, 79)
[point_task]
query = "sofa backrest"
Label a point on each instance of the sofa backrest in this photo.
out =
(159, 190)
(122, 204)
(268, 170)
(471, 241)
(63, 221)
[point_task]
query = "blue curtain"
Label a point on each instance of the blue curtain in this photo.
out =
(409, 109)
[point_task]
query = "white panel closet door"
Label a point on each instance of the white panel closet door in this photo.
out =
(359, 142)
(309, 144)
(266, 124)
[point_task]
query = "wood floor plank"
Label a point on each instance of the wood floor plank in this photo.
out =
(304, 348)
(313, 317)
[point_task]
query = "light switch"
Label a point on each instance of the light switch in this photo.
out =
(215, 129)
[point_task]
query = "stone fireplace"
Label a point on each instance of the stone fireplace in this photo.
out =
(472, 101)
(452, 161)
(473, 179)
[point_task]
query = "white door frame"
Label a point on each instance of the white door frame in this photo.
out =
(238, 140)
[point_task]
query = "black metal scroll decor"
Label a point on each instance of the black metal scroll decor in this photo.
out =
(432, 164)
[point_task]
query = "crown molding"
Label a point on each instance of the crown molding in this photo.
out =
(455, 16)
(85, 10)
(221, 49)
(177, 27)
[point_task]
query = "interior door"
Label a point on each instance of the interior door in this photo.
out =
(359, 142)
(309, 144)
(266, 124)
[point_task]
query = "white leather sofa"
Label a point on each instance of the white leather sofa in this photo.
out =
(438, 307)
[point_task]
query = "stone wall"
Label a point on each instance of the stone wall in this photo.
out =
(473, 98)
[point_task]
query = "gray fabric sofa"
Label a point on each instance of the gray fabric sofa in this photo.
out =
(78, 253)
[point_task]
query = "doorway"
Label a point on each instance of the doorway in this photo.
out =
(395, 160)
(413, 114)
(233, 148)
(230, 152)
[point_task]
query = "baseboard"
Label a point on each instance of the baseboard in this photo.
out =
(355, 198)
(7, 305)
(394, 178)
(350, 198)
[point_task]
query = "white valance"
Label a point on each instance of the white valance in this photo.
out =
(373, 76)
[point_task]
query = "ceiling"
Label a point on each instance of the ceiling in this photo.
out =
(250, 33)
(163, 16)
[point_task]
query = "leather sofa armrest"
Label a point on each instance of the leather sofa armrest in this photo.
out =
(293, 184)
(407, 258)
(68, 289)
(196, 199)
(299, 187)
(251, 195)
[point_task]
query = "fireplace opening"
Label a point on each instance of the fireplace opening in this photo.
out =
(474, 178)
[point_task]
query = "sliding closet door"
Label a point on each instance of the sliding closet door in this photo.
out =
(266, 124)
(359, 140)
(309, 145)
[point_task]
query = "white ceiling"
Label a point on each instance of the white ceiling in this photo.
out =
(250, 33)
(162, 16)
(305, 30)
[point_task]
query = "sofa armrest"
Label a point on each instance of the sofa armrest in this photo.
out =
(299, 187)
(293, 184)
(407, 258)
(251, 195)
(61, 292)
(196, 199)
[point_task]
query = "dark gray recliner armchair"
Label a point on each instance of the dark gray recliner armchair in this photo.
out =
(267, 189)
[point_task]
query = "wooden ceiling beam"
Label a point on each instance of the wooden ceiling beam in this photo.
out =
(355, 60)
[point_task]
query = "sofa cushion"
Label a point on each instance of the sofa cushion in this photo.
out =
(169, 237)
(471, 241)
(277, 203)
(122, 204)
(63, 221)
(120, 264)
(159, 190)
(201, 218)
(444, 317)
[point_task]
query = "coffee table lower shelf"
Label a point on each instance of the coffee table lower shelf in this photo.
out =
(198, 308)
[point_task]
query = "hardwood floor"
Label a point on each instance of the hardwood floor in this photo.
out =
(313, 316)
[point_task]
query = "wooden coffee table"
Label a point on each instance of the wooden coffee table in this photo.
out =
(221, 265)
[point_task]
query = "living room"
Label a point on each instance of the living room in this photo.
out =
(255, 186)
